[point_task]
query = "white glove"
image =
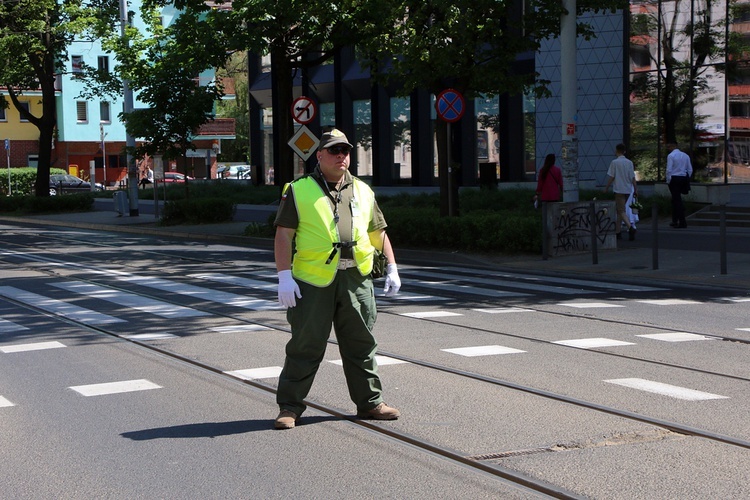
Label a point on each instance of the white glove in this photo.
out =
(392, 281)
(288, 288)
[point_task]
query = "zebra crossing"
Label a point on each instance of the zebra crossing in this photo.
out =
(258, 293)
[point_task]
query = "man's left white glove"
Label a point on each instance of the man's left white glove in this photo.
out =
(288, 288)
(392, 281)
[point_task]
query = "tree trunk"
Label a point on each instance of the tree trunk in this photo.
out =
(283, 126)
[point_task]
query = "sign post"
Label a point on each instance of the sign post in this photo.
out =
(7, 157)
(450, 107)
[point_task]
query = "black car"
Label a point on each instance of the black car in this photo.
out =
(66, 183)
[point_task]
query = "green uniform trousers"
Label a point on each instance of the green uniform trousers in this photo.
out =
(349, 305)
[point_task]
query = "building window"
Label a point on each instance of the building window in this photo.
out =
(3, 118)
(76, 64)
(24, 106)
(104, 112)
(82, 111)
(103, 64)
(32, 161)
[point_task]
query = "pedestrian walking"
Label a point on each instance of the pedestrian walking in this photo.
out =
(679, 170)
(328, 226)
(549, 182)
(621, 175)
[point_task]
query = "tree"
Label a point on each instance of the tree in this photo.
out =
(468, 45)
(34, 39)
(690, 37)
(163, 66)
(296, 34)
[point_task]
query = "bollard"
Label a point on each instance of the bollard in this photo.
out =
(545, 231)
(592, 223)
(723, 238)
(655, 237)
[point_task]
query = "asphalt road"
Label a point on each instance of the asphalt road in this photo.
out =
(136, 366)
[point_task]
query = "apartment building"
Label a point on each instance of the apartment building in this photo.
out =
(90, 131)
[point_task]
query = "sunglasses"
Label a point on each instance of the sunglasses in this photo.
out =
(339, 150)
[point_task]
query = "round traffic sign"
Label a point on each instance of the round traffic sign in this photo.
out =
(303, 110)
(450, 105)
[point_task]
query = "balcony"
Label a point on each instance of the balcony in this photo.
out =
(736, 122)
(739, 90)
(220, 128)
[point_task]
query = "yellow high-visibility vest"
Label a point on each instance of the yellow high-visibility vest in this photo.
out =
(317, 231)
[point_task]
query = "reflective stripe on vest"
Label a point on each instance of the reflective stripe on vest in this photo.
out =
(317, 232)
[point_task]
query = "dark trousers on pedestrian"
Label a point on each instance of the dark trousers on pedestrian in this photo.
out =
(677, 186)
(349, 305)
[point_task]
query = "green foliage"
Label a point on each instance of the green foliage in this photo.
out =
(22, 180)
(236, 192)
(198, 211)
(19, 204)
(35, 37)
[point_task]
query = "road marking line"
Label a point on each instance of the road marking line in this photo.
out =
(138, 302)
(239, 328)
(58, 307)
(202, 293)
(256, 373)
(500, 310)
(672, 391)
(668, 302)
(36, 346)
(8, 326)
(592, 343)
(150, 336)
(114, 387)
(431, 314)
(676, 337)
(4, 403)
(587, 305)
(380, 360)
(482, 350)
(743, 329)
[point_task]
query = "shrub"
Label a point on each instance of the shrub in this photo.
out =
(48, 204)
(198, 211)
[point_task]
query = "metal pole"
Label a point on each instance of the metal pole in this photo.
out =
(129, 139)
(655, 237)
(450, 170)
(569, 117)
(592, 223)
(7, 158)
(723, 238)
(545, 231)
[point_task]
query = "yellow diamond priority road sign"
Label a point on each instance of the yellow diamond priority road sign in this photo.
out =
(304, 143)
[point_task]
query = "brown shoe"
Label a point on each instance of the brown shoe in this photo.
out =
(380, 412)
(286, 420)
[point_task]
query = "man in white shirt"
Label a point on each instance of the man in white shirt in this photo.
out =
(679, 170)
(621, 173)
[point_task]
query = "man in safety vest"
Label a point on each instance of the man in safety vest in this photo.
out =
(327, 229)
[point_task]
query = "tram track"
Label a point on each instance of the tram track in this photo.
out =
(674, 426)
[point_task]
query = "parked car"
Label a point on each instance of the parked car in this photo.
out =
(66, 183)
(234, 172)
(170, 177)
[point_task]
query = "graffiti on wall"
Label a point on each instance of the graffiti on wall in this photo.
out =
(571, 228)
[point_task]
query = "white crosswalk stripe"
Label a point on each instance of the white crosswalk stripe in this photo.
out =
(58, 307)
(672, 391)
(131, 300)
(36, 346)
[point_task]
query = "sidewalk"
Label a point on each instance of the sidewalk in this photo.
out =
(688, 256)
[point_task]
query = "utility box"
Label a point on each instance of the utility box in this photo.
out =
(122, 203)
